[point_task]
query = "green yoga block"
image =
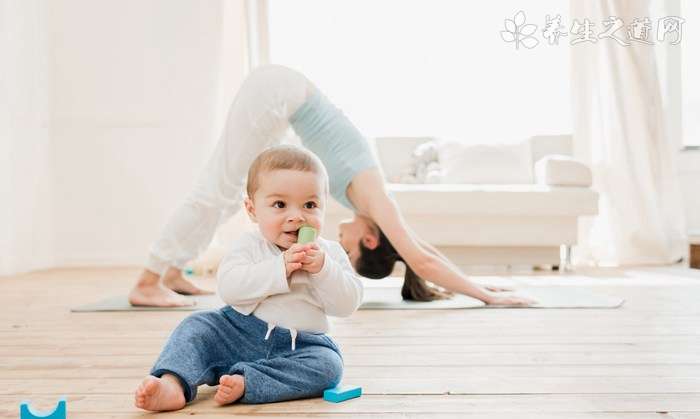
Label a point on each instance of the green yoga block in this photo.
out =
(307, 234)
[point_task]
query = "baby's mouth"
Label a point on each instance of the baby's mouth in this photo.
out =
(294, 233)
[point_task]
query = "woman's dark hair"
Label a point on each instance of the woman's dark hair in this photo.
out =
(379, 262)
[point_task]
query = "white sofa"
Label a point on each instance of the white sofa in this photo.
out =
(532, 222)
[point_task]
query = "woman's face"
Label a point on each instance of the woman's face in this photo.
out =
(355, 230)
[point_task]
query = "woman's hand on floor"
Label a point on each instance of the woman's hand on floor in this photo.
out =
(510, 301)
(497, 289)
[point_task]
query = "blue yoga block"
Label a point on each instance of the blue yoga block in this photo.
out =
(26, 412)
(341, 393)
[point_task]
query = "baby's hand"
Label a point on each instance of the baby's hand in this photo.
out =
(314, 259)
(294, 256)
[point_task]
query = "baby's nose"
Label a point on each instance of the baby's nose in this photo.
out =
(297, 216)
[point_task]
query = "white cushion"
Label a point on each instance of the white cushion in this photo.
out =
(559, 170)
(486, 164)
(394, 154)
(467, 200)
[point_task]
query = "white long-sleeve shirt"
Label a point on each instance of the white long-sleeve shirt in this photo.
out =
(252, 278)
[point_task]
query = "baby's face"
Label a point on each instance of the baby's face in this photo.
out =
(285, 201)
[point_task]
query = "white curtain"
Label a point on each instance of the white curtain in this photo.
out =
(619, 130)
(25, 164)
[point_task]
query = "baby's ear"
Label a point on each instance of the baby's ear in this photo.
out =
(250, 209)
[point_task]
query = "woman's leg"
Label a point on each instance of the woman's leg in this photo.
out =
(257, 119)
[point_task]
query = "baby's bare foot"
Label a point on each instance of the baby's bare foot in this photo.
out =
(231, 388)
(174, 280)
(159, 394)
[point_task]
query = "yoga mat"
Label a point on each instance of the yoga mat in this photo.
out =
(389, 298)
(121, 303)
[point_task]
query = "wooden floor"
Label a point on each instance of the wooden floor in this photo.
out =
(640, 361)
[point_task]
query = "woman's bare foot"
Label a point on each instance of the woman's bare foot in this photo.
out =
(174, 280)
(150, 292)
(231, 388)
(159, 394)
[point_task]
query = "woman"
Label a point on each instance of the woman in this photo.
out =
(272, 99)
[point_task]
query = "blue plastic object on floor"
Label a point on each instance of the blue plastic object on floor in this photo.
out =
(26, 412)
(341, 393)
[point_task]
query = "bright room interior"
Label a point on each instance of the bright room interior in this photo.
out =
(562, 165)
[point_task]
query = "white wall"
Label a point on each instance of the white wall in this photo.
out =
(26, 208)
(138, 92)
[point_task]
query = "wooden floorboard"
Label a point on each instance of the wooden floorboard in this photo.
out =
(639, 361)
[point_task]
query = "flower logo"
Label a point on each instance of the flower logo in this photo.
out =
(520, 32)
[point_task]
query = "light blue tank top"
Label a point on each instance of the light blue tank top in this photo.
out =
(327, 132)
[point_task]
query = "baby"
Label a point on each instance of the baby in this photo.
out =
(268, 343)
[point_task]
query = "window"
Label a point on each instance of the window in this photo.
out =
(428, 67)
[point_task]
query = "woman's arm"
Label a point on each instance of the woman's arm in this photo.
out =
(430, 248)
(369, 196)
(425, 264)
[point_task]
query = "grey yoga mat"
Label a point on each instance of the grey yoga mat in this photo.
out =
(389, 298)
(121, 303)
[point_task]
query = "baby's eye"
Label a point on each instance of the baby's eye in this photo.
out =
(310, 205)
(278, 204)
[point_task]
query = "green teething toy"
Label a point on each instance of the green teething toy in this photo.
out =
(307, 234)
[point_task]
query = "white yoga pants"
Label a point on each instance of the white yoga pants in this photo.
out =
(257, 119)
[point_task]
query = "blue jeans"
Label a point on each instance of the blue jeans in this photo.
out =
(209, 344)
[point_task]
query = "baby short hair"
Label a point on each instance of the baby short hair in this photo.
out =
(284, 157)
